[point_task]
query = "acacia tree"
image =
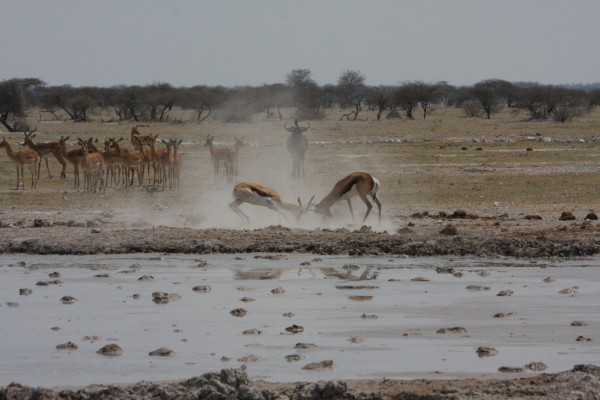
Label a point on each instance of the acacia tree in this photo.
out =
(379, 98)
(351, 92)
(13, 102)
(76, 103)
(407, 98)
(487, 97)
(202, 99)
(305, 93)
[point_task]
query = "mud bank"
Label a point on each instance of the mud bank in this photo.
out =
(574, 241)
(581, 382)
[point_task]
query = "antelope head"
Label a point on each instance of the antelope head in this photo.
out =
(303, 210)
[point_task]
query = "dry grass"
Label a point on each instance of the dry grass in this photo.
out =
(420, 163)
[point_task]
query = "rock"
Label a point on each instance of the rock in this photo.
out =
(46, 283)
(111, 350)
(25, 292)
(278, 290)
(251, 358)
(532, 217)
(455, 329)
(102, 276)
(536, 366)
(420, 279)
(510, 369)
(505, 293)
(356, 339)
(444, 270)
(164, 297)
(289, 315)
(146, 278)
(162, 352)
(579, 323)
(486, 351)
(583, 339)
(477, 287)
(294, 357)
(202, 288)
(40, 223)
(449, 230)
(12, 304)
(549, 279)
(294, 329)
(68, 299)
(252, 331)
(67, 346)
(246, 299)
(54, 274)
(504, 314)
(319, 366)
(568, 291)
(567, 216)
(305, 346)
(238, 312)
(369, 316)
(591, 216)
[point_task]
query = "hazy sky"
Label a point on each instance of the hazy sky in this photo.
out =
(235, 42)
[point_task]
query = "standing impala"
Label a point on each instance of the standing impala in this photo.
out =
(355, 184)
(44, 150)
(218, 154)
(22, 158)
(258, 195)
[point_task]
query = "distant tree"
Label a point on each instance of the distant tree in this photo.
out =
(446, 92)
(380, 99)
(428, 95)
(202, 99)
(305, 93)
(504, 90)
(487, 97)
(14, 101)
(594, 98)
(559, 104)
(159, 98)
(275, 96)
(352, 93)
(75, 102)
(407, 98)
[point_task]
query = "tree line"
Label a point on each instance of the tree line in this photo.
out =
(410, 100)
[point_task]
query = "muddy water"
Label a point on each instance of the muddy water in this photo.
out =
(392, 307)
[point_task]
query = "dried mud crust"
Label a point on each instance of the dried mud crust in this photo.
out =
(582, 382)
(420, 236)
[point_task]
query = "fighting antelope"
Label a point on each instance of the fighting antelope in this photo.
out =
(20, 159)
(356, 183)
(258, 195)
(297, 144)
(218, 154)
(44, 150)
(233, 160)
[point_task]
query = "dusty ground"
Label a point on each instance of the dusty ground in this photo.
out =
(415, 232)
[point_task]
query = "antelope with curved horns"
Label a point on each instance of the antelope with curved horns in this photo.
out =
(258, 195)
(355, 184)
(20, 159)
(297, 144)
(44, 150)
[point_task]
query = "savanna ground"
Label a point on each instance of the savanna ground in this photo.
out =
(509, 200)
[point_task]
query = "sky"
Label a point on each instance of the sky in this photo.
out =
(253, 42)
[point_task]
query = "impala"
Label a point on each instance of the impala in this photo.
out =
(44, 150)
(138, 141)
(258, 195)
(133, 160)
(177, 160)
(75, 156)
(355, 184)
(20, 159)
(233, 160)
(93, 168)
(165, 164)
(113, 159)
(297, 144)
(218, 154)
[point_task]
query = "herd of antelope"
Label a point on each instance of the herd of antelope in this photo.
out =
(118, 165)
